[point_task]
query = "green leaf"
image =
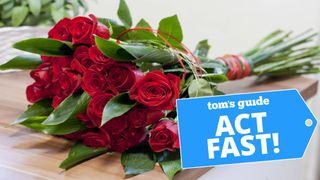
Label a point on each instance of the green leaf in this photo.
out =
(70, 126)
(199, 87)
(80, 153)
(71, 106)
(172, 28)
(124, 14)
(142, 34)
(114, 28)
(215, 78)
(138, 160)
(170, 163)
(45, 46)
(41, 108)
(216, 92)
(117, 106)
(202, 48)
(19, 14)
(35, 7)
(22, 62)
(136, 52)
(111, 49)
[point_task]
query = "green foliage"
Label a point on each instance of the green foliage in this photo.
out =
(170, 163)
(41, 108)
(138, 160)
(68, 109)
(37, 12)
(80, 153)
(45, 46)
(22, 62)
(117, 106)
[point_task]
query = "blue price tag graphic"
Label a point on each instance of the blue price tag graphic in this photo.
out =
(241, 128)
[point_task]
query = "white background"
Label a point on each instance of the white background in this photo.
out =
(233, 26)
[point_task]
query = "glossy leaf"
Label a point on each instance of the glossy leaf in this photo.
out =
(70, 126)
(124, 14)
(142, 34)
(45, 46)
(71, 106)
(22, 62)
(170, 163)
(215, 78)
(138, 160)
(202, 48)
(35, 7)
(117, 106)
(41, 108)
(172, 28)
(111, 49)
(19, 14)
(114, 28)
(80, 153)
(199, 87)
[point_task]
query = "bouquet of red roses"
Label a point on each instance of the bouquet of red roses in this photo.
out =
(113, 88)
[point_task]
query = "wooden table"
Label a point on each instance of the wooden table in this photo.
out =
(25, 154)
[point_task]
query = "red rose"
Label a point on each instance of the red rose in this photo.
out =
(76, 136)
(61, 30)
(58, 63)
(122, 76)
(97, 139)
(164, 136)
(142, 116)
(83, 28)
(85, 119)
(81, 59)
(127, 139)
(94, 81)
(36, 92)
(157, 90)
(65, 83)
(96, 106)
(43, 74)
(96, 55)
(136, 136)
(117, 125)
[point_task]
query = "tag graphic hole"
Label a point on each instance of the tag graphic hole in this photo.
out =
(308, 122)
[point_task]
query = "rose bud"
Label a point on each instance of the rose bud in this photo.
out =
(83, 28)
(122, 76)
(57, 62)
(157, 90)
(142, 116)
(61, 30)
(117, 125)
(97, 139)
(94, 81)
(97, 104)
(81, 59)
(36, 92)
(43, 74)
(164, 136)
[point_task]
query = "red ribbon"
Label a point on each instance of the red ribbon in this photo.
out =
(160, 35)
(238, 66)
